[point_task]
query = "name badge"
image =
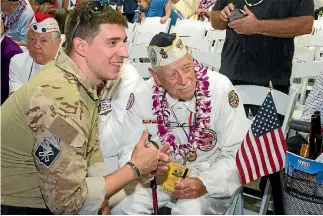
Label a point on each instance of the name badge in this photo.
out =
(105, 107)
(175, 173)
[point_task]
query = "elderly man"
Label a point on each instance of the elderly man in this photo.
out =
(199, 113)
(52, 163)
(44, 39)
(16, 16)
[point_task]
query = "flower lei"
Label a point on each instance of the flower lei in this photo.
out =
(16, 16)
(203, 110)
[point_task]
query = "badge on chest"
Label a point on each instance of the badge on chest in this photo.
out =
(105, 107)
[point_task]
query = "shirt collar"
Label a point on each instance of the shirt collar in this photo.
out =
(190, 104)
(64, 62)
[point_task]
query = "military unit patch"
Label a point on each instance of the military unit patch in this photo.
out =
(105, 107)
(130, 101)
(153, 57)
(48, 150)
(233, 99)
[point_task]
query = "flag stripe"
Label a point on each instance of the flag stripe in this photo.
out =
(266, 149)
(254, 153)
(262, 162)
(242, 168)
(246, 160)
(272, 152)
(276, 152)
(282, 146)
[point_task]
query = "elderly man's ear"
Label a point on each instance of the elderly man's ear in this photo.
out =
(154, 75)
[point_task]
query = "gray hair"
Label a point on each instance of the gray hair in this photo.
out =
(56, 35)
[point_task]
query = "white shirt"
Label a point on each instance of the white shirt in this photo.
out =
(111, 123)
(22, 68)
(216, 168)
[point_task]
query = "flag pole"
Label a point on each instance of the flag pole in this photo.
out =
(271, 85)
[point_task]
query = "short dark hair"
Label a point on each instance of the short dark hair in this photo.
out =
(89, 25)
(60, 15)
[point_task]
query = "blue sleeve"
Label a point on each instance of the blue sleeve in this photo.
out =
(24, 21)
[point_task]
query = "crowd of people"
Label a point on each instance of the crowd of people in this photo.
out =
(83, 133)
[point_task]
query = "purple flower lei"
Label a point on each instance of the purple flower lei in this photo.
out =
(18, 12)
(203, 110)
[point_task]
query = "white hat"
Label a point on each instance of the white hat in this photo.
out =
(166, 48)
(47, 25)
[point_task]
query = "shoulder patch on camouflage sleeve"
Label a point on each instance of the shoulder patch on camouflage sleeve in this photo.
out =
(233, 99)
(48, 150)
(131, 101)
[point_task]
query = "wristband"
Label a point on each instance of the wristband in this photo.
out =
(134, 168)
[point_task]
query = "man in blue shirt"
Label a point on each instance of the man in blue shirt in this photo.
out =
(156, 8)
(129, 7)
(16, 17)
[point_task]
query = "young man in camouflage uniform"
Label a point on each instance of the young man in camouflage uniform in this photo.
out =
(50, 156)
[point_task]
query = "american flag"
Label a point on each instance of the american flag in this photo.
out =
(263, 150)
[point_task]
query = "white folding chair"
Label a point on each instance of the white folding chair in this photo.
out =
(308, 40)
(197, 43)
(209, 59)
(143, 38)
(152, 24)
(218, 36)
(189, 28)
(304, 71)
(255, 95)
(138, 57)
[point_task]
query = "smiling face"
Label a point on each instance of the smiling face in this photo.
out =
(177, 78)
(42, 46)
(104, 56)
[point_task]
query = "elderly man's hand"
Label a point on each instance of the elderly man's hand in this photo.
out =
(247, 25)
(190, 188)
(226, 12)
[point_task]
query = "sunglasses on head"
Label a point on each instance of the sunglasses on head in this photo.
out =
(95, 7)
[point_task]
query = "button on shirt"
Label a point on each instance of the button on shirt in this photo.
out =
(22, 68)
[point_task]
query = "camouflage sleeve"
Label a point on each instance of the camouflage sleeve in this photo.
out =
(97, 166)
(60, 155)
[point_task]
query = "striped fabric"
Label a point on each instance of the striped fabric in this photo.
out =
(263, 150)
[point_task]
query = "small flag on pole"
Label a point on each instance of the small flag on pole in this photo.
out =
(263, 150)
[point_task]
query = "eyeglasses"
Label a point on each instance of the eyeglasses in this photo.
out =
(177, 125)
(95, 7)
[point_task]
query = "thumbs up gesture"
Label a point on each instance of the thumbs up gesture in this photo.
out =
(145, 157)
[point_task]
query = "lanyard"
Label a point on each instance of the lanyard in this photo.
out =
(181, 125)
(31, 69)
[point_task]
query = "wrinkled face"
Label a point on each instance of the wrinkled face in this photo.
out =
(42, 48)
(177, 78)
(104, 56)
(143, 4)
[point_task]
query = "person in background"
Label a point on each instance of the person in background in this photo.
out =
(314, 102)
(43, 42)
(80, 2)
(60, 15)
(57, 144)
(156, 8)
(41, 8)
(8, 49)
(205, 9)
(259, 48)
(129, 7)
(16, 16)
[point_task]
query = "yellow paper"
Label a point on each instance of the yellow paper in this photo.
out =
(174, 174)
